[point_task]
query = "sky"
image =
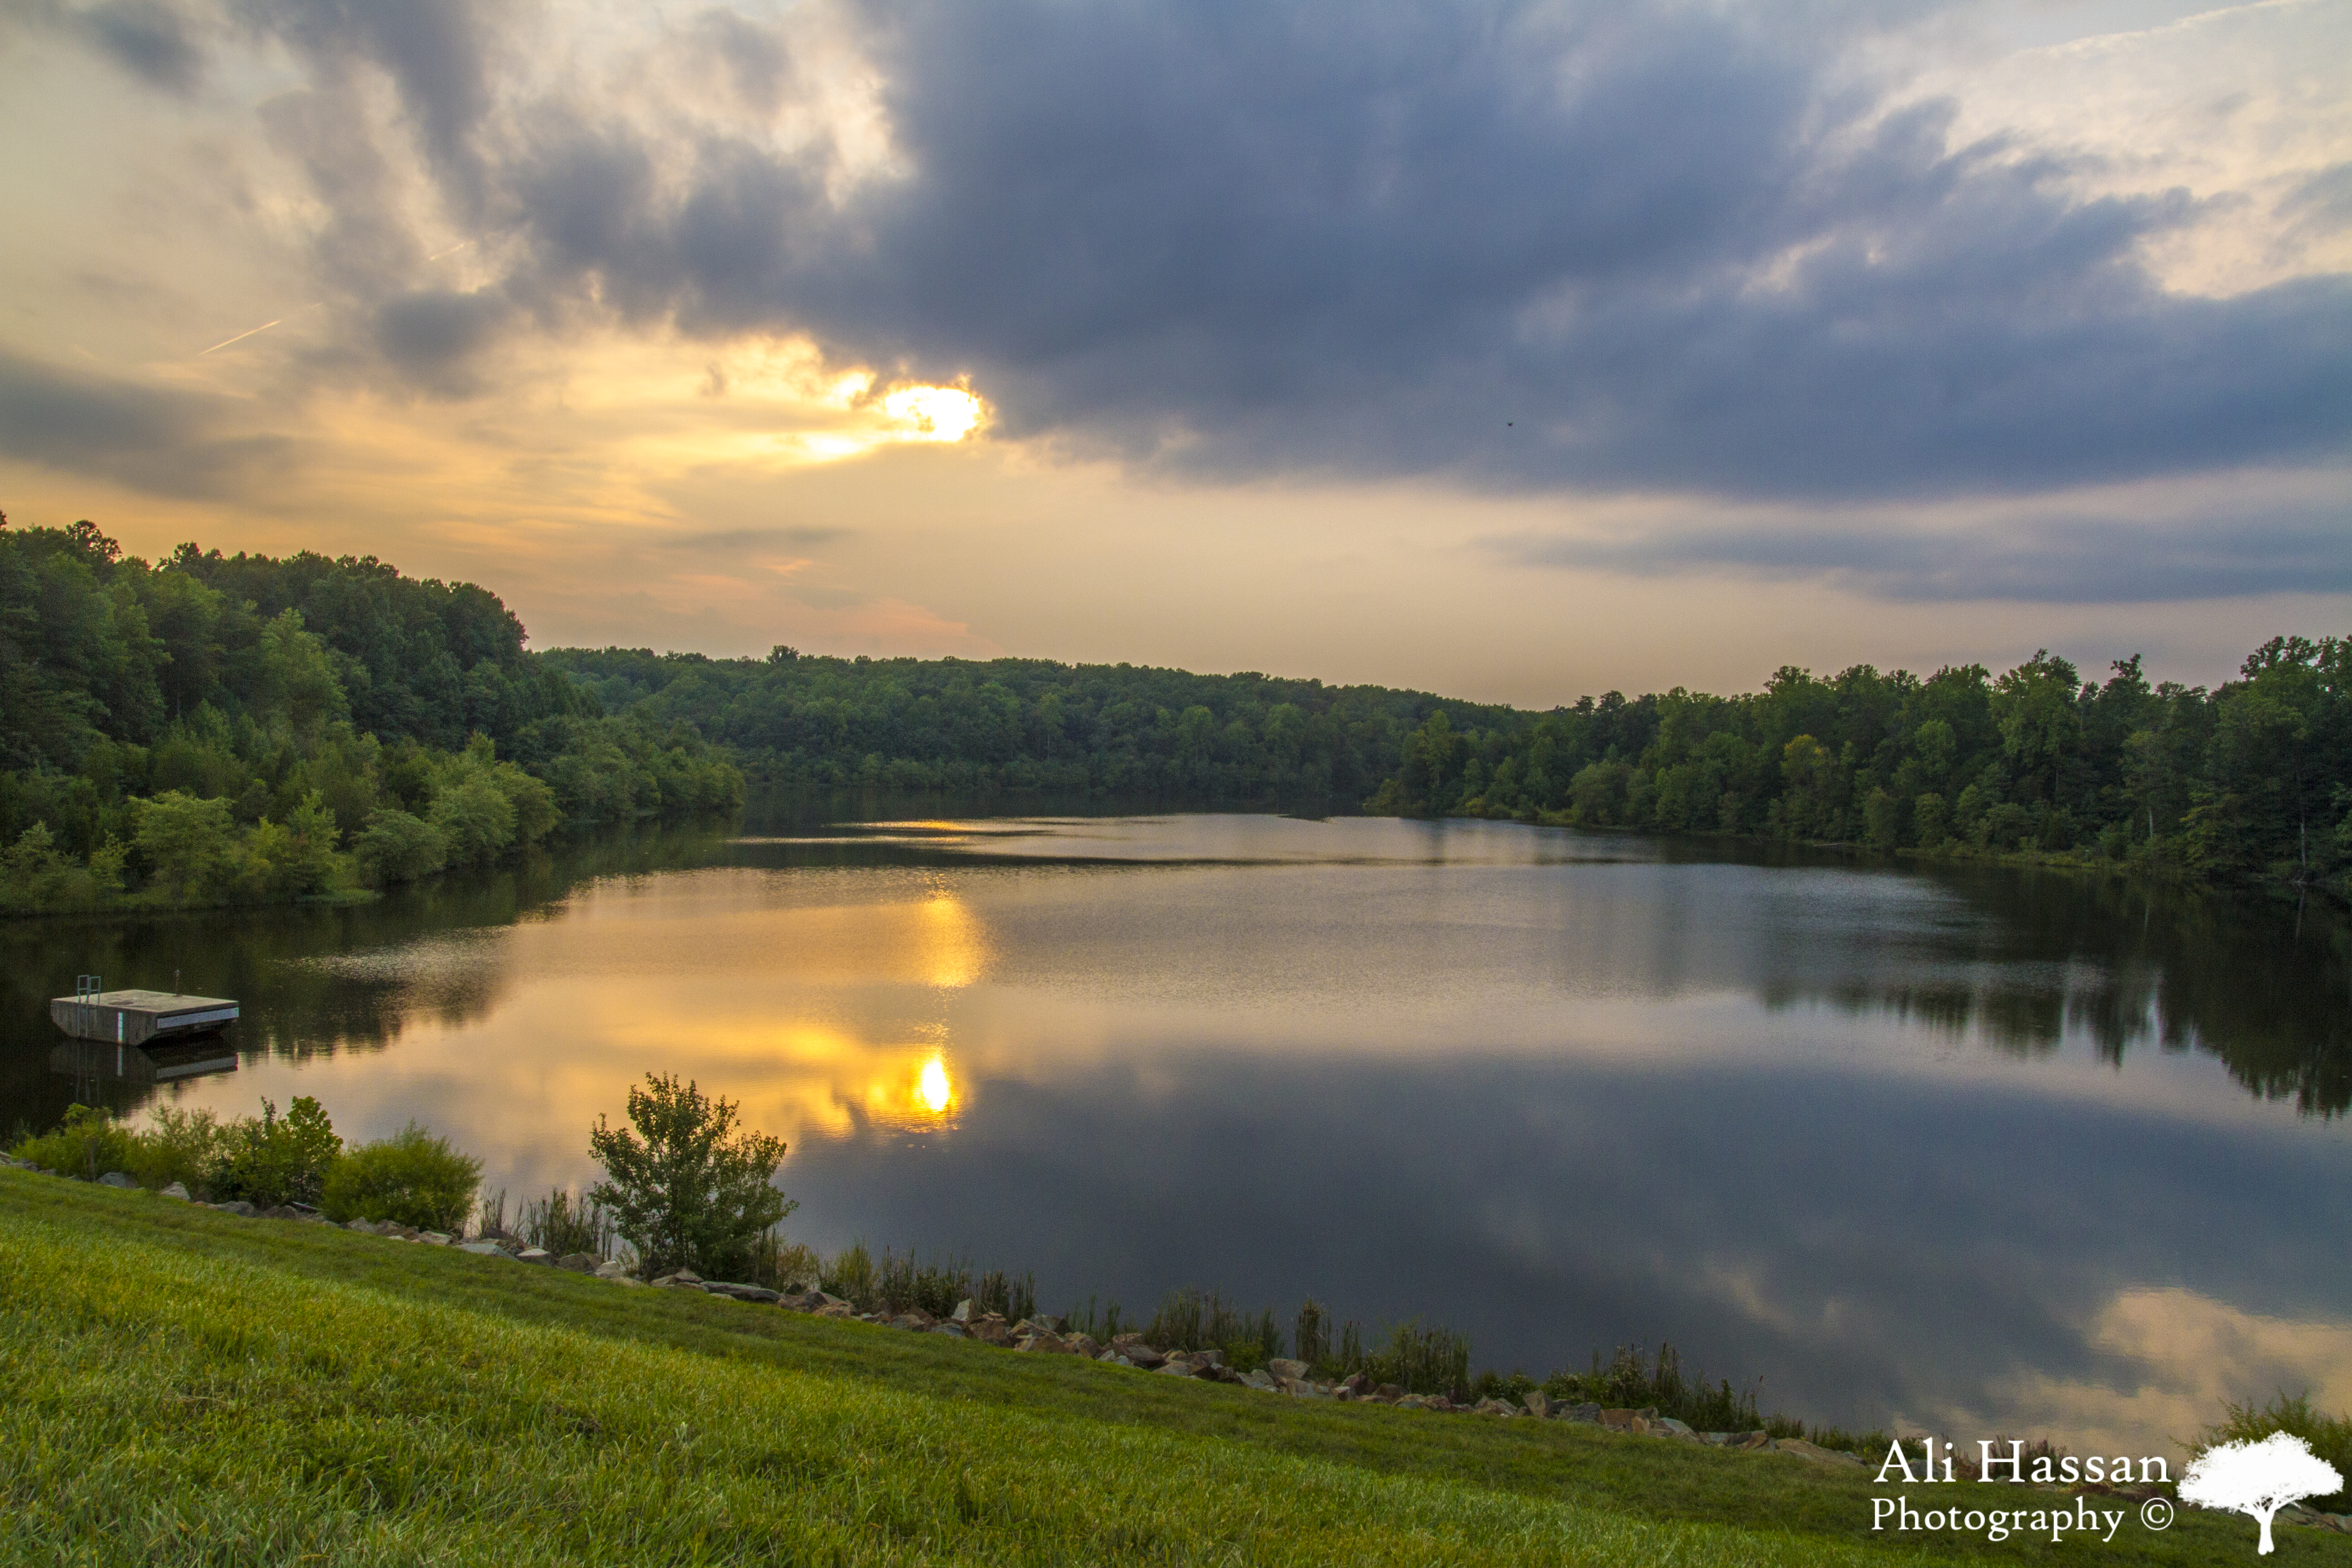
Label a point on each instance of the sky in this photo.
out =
(1510, 350)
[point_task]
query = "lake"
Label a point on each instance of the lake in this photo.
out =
(1978, 1151)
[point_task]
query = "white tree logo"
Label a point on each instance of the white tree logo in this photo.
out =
(2258, 1479)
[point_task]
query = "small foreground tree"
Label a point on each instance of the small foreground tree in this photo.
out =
(685, 1188)
(2258, 1479)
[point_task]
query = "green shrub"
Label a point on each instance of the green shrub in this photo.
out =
(280, 1160)
(184, 1146)
(903, 1283)
(410, 1178)
(88, 1144)
(2330, 1438)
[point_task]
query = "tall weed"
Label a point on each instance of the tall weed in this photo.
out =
(563, 1223)
(1193, 1320)
(1634, 1379)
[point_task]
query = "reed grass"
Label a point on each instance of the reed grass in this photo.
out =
(566, 1224)
(1104, 1322)
(1192, 1320)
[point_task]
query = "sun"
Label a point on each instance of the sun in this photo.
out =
(933, 412)
(933, 1087)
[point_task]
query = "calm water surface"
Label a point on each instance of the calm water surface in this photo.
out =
(1978, 1151)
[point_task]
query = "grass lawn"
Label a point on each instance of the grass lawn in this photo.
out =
(184, 1386)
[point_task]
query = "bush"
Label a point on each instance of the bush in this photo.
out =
(410, 1178)
(684, 1189)
(88, 1144)
(280, 1160)
(184, 1146)
(1103, 1322)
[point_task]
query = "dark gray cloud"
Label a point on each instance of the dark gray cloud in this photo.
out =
(441, 54)
(2049, 558)
(148, 38)
(433, 335)
(154, 40)
(165, 442)
(1526, 246)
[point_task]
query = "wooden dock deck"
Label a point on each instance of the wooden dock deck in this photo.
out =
(136, 1017)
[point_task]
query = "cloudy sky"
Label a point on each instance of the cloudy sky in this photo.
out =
(1508, 350)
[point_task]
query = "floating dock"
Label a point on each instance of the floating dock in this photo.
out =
(137, 1017)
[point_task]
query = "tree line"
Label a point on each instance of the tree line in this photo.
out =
(2249, 780)
(800, 720)
(214, 728)
(2252, 780)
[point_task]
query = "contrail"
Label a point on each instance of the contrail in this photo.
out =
(312, 306)
(241, 337)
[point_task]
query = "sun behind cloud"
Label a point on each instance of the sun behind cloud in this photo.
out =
(934, 413)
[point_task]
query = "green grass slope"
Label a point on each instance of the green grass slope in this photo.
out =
(182, 1386)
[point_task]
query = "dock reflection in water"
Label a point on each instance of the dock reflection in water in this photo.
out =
(93, 1066)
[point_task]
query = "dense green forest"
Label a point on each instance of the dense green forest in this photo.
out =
(217, 729)
(221, 729)
(2252, 781)
(797, 720)
(2249, 782)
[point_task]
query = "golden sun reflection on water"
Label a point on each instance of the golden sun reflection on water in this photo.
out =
(933, 1087)
(953, 945)
(818, 1015)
